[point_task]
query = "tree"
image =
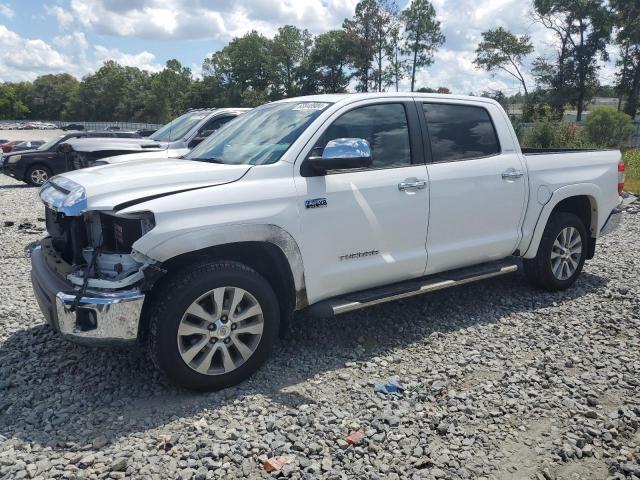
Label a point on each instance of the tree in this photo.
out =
(422, 35)
(329, 62)
(291, 47)
(502, 50)
(246, 63)
(397, 62)
(49, 96)
(386, 28)
(360, 33)
(626, 14)
(11, 107)
(170, 88)
(583, 29)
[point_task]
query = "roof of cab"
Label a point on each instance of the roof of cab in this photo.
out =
(351, 97)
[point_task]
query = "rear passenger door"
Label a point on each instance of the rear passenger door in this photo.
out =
(477, 185)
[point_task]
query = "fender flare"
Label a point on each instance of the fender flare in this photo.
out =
(213, 236)
(589, 190)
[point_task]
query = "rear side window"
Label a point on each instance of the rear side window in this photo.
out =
(460, 132)
(384, 126)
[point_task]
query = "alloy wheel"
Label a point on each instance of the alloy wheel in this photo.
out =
(220, 330)
(39, 176)
(566, 253)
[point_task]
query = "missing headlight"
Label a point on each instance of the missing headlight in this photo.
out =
(120, 232)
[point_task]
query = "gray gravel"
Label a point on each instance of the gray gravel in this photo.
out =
(503, 382)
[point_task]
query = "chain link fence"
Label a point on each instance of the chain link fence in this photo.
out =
(21, 124)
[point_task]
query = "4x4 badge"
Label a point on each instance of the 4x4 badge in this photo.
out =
(315, 203)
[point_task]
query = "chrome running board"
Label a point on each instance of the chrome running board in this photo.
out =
(412, 288)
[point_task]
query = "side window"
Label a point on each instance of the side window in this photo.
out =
(460, 132)
(213, 124)
(384, 126)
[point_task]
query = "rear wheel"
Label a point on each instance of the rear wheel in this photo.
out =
(561, 253)
(213, 325)
(37, 175)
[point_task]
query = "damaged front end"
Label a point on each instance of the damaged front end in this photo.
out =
(89, 281)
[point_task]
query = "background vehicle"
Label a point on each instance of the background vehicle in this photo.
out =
(188, 130)
(211, 124)
(146, 132)
(331, 203)
(27, 145)
(72, 126)
(38, 165)
(8, 146)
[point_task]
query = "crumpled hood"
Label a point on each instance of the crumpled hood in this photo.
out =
(111, 185)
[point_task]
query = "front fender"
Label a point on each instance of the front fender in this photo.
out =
(591, 191)
(212, 236)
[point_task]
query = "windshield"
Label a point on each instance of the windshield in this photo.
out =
(260, 136)
(178, 127)
(51, 142)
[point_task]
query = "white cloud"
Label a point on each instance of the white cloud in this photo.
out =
(24, 59)
(194, 19)
(143, 60)
(6, 11)
(65, 18)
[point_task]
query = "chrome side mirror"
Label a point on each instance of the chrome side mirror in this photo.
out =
(338, 154)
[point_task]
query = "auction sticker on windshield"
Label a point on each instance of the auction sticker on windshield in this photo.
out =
(310, 106)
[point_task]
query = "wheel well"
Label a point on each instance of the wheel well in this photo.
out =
(584, 208)
(265, 258)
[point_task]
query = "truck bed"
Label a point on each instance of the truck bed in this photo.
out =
(550, 151)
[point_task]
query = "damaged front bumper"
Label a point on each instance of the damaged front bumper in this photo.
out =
(96, 317)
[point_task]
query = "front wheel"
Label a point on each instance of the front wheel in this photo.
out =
(212, 325)
(561, 253)
(37, 175)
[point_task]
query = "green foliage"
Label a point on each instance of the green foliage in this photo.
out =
(582, 29)
(607, 127)
(328, 63)
(10, 105)
(632, 170)
(291, 49)
(502, 50)
(423, 35)
(626, 14)
(549, 132)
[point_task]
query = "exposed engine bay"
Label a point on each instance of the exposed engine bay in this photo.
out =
(94, 249)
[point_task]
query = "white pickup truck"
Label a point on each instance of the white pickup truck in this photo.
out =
(326, 203)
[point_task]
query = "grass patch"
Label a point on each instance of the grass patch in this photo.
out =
(632, 171)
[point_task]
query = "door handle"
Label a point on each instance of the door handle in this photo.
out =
(512, 174)
(412, 184)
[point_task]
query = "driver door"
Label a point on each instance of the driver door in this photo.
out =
(367, 227)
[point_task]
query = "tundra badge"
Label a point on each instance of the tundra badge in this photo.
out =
(315, 203)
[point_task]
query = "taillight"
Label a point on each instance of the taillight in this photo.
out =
(620, 177)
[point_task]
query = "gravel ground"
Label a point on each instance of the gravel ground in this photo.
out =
(503, 382)
(30, 134)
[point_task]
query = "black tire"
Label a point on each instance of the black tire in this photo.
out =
(178, 292)
(37, 172)
(539, 270)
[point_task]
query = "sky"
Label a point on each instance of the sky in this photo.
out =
(77, 36)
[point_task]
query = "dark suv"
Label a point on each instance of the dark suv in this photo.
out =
(38, 165)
